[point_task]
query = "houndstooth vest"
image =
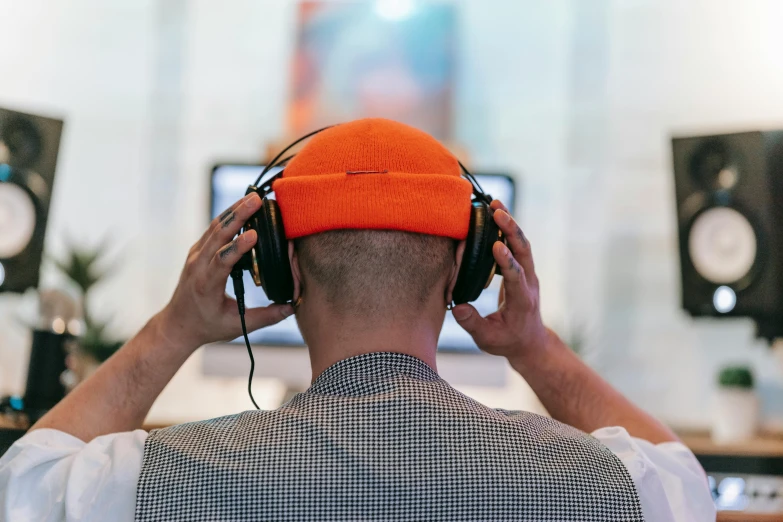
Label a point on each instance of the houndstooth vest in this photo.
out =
(381, 437)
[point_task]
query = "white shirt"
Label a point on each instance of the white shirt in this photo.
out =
(49, 475)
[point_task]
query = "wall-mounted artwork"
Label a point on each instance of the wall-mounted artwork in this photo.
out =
(383, 58)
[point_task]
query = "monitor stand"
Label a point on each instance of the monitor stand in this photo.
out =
(291, 365)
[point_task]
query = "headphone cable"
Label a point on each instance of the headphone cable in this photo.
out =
(239, 292)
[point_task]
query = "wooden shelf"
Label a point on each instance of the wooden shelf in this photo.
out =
(738, 516)
(16, 422)
(765, 445)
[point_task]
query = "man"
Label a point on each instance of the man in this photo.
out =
(375, 249)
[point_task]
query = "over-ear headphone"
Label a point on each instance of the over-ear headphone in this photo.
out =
(270, 267)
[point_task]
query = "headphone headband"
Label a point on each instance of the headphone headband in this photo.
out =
(266, 187)
(275, 161)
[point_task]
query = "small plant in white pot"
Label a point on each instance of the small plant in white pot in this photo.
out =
(736, 406)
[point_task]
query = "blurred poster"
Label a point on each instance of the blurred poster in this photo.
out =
(382, 58)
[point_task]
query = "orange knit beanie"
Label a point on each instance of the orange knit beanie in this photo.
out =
(374, 174)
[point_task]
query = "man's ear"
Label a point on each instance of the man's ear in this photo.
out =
(293, 258)
(455, 270)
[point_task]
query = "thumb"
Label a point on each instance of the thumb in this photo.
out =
(257, 318)
(469, 319)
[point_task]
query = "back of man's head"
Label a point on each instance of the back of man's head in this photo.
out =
(372, 272)
(375, 208)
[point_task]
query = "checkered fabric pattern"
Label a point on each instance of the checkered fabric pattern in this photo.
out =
(382, 437)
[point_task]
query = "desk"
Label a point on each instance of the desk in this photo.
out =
(765, 445)
(762, 457)
(736, 516)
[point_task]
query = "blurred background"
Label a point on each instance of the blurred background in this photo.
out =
(577, 101)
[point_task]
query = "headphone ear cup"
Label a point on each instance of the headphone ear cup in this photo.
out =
(478, 263)
(271, 253)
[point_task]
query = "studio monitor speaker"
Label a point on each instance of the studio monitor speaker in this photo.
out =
(729, 212)
(28, 157)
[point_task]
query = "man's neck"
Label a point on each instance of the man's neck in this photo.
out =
(331, 339)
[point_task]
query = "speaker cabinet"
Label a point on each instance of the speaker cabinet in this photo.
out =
(44, 387)
(28, 157)
(728, 190)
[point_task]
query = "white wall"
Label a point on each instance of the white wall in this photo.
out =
(89, 63)
(575, 98)
(654, 68)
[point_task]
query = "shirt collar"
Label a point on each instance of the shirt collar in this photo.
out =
(361, 374)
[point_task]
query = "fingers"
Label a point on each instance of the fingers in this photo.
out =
(498, 205)
(227, 225)
(514, 283)
(256, 318)
(225, 258)
(468, 318)
(215, 223)
(517, 242)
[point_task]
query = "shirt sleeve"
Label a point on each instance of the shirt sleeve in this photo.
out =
(671, 484)
(49, 475)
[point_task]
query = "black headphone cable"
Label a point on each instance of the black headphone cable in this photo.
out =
(239, 292)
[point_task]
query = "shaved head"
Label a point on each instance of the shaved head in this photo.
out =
(371, 272)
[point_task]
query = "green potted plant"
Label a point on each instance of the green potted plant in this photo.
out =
(93, 345)
(736, 416)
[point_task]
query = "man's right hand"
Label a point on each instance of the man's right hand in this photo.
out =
(200, 312)
(515, 330)
(118, 396)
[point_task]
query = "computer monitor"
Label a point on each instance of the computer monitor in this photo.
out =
(228, 183)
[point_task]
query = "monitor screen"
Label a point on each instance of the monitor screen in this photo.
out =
(229, 182)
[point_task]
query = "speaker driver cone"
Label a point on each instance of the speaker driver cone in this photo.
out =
(722, 245)
(23, 139)
(17, 220)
